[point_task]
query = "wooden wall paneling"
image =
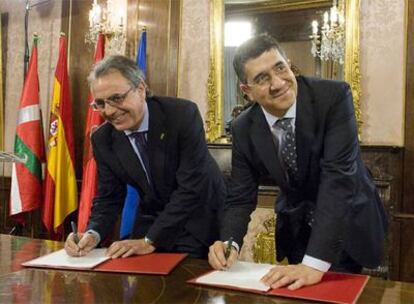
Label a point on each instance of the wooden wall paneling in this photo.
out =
(4, 47)
(132, 29)
(408, 201)
(395, 250)
(162, 21)
(154, 15)
(5, 223)
(406, 262)
(173, 47)
(385, 163)
(80, 62)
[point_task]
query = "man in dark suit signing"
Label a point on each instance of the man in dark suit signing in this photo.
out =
(157, 145)
(301, 132)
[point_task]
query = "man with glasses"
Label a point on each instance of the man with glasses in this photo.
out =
(157, 145)
(301, 133)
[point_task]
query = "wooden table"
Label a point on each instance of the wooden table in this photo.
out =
(24, 285)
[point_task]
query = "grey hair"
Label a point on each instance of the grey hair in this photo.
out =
(125, 66)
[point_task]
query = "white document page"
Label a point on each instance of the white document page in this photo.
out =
(60, 259)
(241, 275)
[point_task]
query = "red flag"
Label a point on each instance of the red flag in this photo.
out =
(89, 178)
(60, 183)
(26, 184)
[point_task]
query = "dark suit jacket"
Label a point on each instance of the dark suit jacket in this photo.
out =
(188, 187)
(335, 194)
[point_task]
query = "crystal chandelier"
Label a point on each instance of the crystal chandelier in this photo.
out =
(328, 42)
(103, 20)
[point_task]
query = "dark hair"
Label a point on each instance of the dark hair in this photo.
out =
(121, 64)
(253, 48)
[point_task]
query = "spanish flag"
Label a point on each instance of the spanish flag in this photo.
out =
(60, 182)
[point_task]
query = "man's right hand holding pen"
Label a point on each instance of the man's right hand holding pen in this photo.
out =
(87, 242)
(222, 255)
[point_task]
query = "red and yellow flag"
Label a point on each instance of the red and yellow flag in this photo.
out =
(89, 178)
(60, 182)
(26, 182)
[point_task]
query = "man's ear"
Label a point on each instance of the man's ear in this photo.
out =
(141, 89)
(246, 90)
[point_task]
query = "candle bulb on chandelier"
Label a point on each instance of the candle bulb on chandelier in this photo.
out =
(325, 19)
(314, 27)
(334, 16)
(341, 19)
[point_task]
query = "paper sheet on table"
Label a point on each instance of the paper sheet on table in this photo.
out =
(241, 275)
(60, 259)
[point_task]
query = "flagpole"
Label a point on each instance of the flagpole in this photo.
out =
(26, 40)
(30, 215)
(26, 58)
(18, 227)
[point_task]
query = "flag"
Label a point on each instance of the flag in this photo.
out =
(142, 53)
(60, 182)
(26, 181)
(132, 197)
(129, 212)
(89, 178)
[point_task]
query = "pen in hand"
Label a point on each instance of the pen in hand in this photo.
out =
(75, 232)
(228, 248)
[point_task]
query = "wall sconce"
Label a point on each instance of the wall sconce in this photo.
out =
(108, 20)
(330, 44)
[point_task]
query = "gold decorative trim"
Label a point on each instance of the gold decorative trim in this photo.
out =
(351, 70)
(277, 5)
(214, 117)
(264, 250)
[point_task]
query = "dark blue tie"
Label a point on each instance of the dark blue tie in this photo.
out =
(142, 146)
(288, 146)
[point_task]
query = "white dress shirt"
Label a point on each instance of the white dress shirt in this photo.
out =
(271, 119)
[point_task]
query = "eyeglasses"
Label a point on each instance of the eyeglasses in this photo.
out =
(113, 101)
(264, 79)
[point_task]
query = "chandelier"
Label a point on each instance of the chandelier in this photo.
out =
(328, 41)
(105, 21)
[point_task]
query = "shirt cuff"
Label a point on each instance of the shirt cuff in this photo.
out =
(316, 263)
(95, 234)
(233, 244)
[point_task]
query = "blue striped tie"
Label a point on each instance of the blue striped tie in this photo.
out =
(288, 146)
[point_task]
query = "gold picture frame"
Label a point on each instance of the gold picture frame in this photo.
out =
(215, 93)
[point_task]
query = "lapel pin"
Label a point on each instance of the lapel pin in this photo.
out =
(162, 136)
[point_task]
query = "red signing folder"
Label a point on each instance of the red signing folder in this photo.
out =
(96, 260)
(154, 263)
(334, 288)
